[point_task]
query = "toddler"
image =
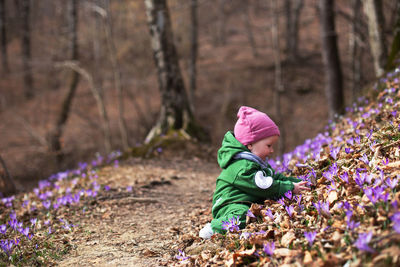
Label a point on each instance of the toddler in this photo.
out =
(246, 177)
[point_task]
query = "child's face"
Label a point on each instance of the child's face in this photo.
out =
(264, 147)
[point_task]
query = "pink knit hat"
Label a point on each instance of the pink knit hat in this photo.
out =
(253, 125)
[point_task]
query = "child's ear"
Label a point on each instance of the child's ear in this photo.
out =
(249, 147)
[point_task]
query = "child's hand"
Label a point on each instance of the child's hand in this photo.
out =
(300, 186)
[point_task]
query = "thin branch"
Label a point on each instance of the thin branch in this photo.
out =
(392, 144)
(99, 101)
(9, 182)
(32, 132)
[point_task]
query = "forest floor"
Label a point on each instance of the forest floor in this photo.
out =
(169, 202)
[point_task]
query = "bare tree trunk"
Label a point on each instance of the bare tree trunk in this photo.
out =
(26, 49)
(96, 83)
(3, 32)
(356, 49)
(289, 25)
(221, 23)
(7, 185)
(99, 100)
(249, 30)
(175, 112)
(193, 52)
(395, 48)
(279, 88)
(330, 56)
(292, 27)
(117, 76)
(373, 11)
(56, 133)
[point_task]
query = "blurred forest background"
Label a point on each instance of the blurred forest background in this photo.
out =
(79, 77)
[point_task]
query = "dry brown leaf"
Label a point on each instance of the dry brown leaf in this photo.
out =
(260, 239)
(285, 252)
(336, 237)
(332, 260)
(236, 257)
(338, 225)
(247, 252)
(288, 238)
(256, 209)
(332, 196)
(149, 253)
(393, 252)
(307, 258)
(392, 165)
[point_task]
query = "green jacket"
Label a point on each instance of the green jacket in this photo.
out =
(237, 183)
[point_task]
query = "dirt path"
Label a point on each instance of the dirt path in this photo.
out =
(169, 202)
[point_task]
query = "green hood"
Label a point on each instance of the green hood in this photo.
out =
(230, 147)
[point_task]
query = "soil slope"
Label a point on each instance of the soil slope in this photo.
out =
(169, 202)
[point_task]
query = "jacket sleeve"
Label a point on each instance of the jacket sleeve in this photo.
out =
(245, 181)
(280, 176)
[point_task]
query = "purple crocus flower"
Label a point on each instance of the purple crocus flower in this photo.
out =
(395, 204)
(328, 175)
(7, 246)
(250, 214)
(24, 231)
(232, 225)
(3, 229)
(349, 214)
(332, 187)
(361, 178)
(350, 141)
(352, 225)
(322, 208)
(392, 183)
(25, 203)
(384, 197)
(385, 161)
(348, 150)
(13, 215)
(344, 177)
(269, 214)
(269, 248)
(129, 188)
(346, 205)
(116, 163)
(245, 235)
(13, 224)
(371, 194)
(396, 221)
(310, 236)
(289, 210)
(334, 152)
(363, 240)
(364, 159)
(76, 198)
(289, 194)
(46, 204)
(106, 187)
(298, 198)
(281, 201)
